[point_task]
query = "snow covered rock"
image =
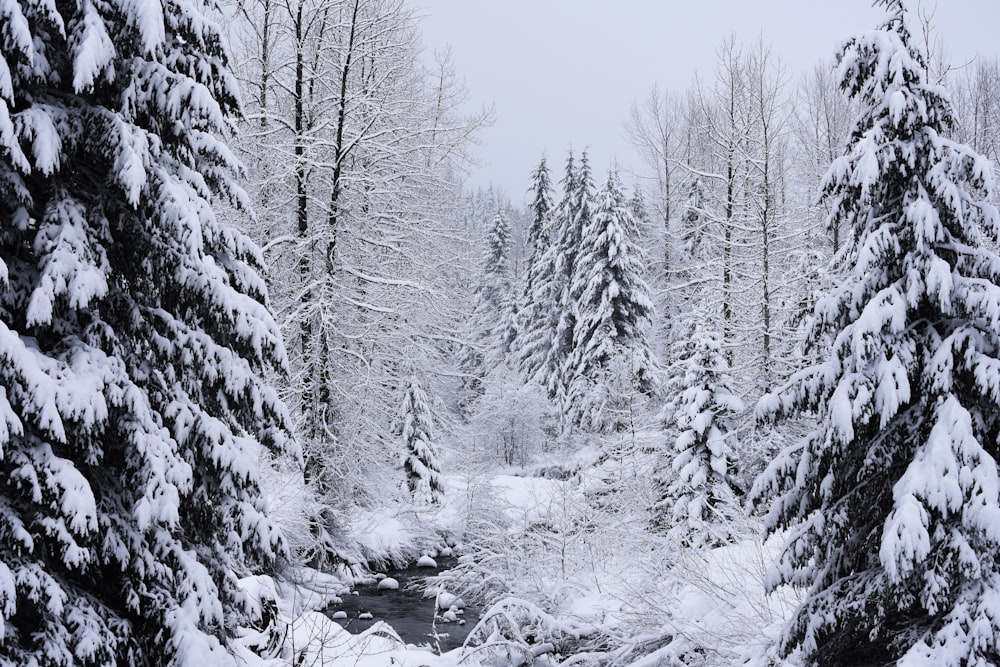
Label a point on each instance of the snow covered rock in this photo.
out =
(446, 600)
(388, 584)
(426, 561)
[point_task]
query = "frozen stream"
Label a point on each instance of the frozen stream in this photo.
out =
(405, 609)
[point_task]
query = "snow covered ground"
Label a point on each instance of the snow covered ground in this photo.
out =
(559, 567)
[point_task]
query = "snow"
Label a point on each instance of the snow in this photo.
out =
(527, 499)
(94, 52)
(388, 584)
(446, 600)
(39, 127)
(426, 561)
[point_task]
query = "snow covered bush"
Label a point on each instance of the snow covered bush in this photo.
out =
(514, 421)
(314, 530)
(530, 544)
(133, 335)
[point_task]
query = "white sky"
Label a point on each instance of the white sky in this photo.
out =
(565, 72)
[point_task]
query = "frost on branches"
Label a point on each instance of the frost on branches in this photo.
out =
(133, 333)
(697, 497)
(423, 473)
(892, 502)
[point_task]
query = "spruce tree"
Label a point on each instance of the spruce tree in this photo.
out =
(492, 322)
(637, 205)
(572, 216)
(697, 498)
(420, 460)
(134, 334)
(535, 320)
(546, 360)
(496, 284)
(611, 311)
(892, 502)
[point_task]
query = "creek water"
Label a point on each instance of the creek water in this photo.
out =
(406, 609)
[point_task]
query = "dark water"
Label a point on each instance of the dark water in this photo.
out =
(406, 610)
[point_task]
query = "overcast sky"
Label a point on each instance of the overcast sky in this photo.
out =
(565, 72)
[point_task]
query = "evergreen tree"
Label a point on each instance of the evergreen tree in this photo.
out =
(697, 497)
(893, 500)
(548, 297)
(420, 461)
(536, 318)
(572, 216)
(637, 205)
(539, 232)
(134, 333)
(611, 312)
(496, 284)
(493, 325)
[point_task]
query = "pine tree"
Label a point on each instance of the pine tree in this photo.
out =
(134, 333)
(496, 284)
(893, 500)
(535, 319)
(637, 205)
(539, 231)
(572, 216)
(493, 319)
(420, 461)
(611, 312)
(539, 354)
(697, 496)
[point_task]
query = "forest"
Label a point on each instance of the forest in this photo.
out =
(264, 351)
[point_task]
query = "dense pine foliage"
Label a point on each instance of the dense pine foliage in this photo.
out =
(135, 332)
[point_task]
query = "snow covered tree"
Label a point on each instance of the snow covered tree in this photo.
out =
(726, 114)
(492, 324)
(821, 122)
(571, 217)
(539, 354)
(536, 325)
(134, 332)
(612, 311)
(978, 107)
(356, 158)
(765, 221)
(420, 460)
(697, 496)
(892, 501)
(496, 285)
(653, 127)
